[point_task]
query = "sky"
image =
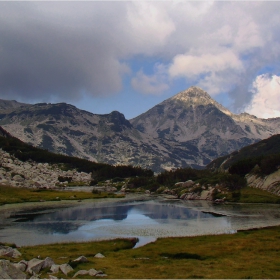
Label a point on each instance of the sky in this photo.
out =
(103, 56)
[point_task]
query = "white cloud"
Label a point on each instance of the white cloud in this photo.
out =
(266, 99)
(190, 66)
(151, 84)
(148, 26)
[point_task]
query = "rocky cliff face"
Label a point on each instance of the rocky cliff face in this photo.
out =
(189, 129)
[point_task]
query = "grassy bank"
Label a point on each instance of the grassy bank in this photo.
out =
(19, 195)
(252, 195)
(244, 255)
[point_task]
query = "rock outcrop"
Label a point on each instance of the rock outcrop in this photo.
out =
(270, 183)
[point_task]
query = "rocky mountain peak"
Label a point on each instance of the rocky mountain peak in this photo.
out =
(195, 96)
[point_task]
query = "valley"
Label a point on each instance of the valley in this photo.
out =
(77, 176)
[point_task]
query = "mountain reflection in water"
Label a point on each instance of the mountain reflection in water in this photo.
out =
(68, 220)
(145, 220)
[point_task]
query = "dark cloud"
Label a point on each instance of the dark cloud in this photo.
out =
(58, 49)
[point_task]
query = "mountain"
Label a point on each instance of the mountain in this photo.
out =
(9, 105)
(62, 128)
(258, 163)
(188, 129)
(257, 151)
(192, 120)
(4, 133)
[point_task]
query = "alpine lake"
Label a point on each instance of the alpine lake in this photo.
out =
(143, 217)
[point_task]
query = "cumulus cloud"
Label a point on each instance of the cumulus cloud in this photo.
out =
(211, 66)
(151, 84)
(266, 97)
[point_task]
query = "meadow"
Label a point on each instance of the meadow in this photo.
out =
(244, 255)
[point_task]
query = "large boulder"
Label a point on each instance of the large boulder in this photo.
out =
(65, 268)
(55, 268)
(9, 271)
(34, 266)
(9, 252)
(48, 262)
(21, 266)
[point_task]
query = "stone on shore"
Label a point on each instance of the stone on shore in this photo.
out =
(65, 268)
(9, 271)
(48, 262)
(99, 255)
(34, 266)
(81, 272)
(55, 268)
(92, 272)
(9, 252)
(81, 259)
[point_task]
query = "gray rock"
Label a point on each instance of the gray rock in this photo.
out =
(48, 262)
(65, 268)
(16, 253)
(21, 266)
(55, 268)
(18, 178)
(9, 271)
(92, 272)
(81, 272)
(9, 252)
(34, 266)
(99, 255)
(81, 259)
(6, 251)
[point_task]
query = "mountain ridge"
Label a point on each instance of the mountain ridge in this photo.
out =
(188, 129)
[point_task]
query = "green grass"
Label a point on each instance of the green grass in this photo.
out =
(19, 195)
(254, 195)
(246, 254)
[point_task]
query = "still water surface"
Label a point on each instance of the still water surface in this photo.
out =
(146, 220)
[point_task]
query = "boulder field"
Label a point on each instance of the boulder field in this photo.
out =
(30, 174)
(31, 269)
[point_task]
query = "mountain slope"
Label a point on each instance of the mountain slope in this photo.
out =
(10, 105)
(62, 128)
(188, 129)
(266, 147)
(193, 119)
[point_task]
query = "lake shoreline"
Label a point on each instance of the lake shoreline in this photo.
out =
(234, 214)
